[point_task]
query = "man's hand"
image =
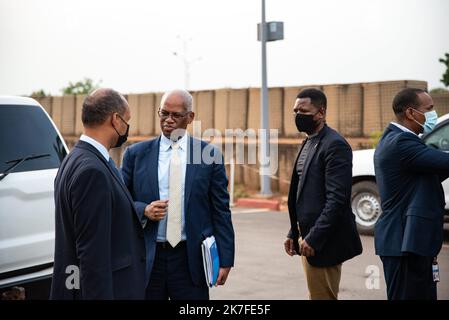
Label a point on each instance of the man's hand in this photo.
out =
(156, 210)
(289, 248)
(306, 250)
(222, 276)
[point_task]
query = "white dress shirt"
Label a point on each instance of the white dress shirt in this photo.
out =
(403, 128)
(163, 172)
(97, 145)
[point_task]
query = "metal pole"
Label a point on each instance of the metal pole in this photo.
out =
(186, 66)
(265, 182)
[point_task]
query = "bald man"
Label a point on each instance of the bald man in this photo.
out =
(99, 246)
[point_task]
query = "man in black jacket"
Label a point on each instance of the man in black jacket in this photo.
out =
(319, 199)
(99, 245)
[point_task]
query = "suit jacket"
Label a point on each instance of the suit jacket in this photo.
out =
(409, 176)
(206, 201)
(97, 229)
(321, 207)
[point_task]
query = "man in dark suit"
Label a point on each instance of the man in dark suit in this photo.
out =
(182, 198)
(99, 249)
(319, 199)
(409, 233)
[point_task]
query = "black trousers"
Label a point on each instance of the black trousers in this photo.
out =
(170, 276)
(409, 277)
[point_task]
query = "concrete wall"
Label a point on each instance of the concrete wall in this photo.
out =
(441, 102)
(147, 114)
(78, 111)
(157, 103)
(356, 110)
(238, 109)
(221, 109)
(377, 103)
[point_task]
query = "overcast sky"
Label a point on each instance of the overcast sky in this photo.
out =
(129, 45)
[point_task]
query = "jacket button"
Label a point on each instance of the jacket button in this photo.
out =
(143, 258)
(141, 235)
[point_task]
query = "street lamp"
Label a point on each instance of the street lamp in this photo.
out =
(186, 61)
(266, 31)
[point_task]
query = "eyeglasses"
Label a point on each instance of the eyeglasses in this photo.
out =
(175, 115)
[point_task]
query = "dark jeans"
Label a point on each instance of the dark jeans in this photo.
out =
(170, 277)
(409, 277)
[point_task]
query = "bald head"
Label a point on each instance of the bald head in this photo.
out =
(100, 104)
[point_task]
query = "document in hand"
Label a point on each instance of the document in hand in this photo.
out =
(211, 261)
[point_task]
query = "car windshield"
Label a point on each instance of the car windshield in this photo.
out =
(24, 131)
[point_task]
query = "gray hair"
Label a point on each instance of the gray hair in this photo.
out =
(186, 97)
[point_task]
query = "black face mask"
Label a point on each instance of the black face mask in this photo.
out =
(121, 138)
(305, 122)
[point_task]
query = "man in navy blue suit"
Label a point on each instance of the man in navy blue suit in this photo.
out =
(99, 246)
(182, 198)
(409, 233)
(319, 199)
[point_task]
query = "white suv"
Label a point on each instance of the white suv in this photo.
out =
(365, 198)
(31, 151)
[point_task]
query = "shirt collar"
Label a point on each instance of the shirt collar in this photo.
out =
(97, 145)
(166, 143)
(403, 128)
(312, 135)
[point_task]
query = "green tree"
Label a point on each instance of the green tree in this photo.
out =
(81, 87)
(438, 90)
(374, 138)
(39, 93)
(445, 79)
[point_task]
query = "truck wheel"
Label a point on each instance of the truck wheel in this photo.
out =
(365, 203)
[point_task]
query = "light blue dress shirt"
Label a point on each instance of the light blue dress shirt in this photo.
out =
(163, 172)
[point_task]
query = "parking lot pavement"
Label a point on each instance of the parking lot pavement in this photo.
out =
(263, 271)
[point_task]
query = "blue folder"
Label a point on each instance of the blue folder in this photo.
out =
(211, 260)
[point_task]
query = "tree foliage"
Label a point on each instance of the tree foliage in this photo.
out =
(445, 79)
(39, 93)
(84, 86)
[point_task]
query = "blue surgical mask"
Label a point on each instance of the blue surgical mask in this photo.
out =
(431, 120)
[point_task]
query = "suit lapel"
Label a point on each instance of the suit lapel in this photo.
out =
(152, 164)
(191, 167)
(122, 185)
(292, 197)
(88, 147)
(294, 180)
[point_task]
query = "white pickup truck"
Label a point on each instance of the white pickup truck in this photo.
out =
(31, 151)
(365, 198)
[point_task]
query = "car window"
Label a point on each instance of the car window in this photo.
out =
(439, 138)
(26, 130)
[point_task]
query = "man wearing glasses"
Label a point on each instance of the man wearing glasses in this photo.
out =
(182, 199)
